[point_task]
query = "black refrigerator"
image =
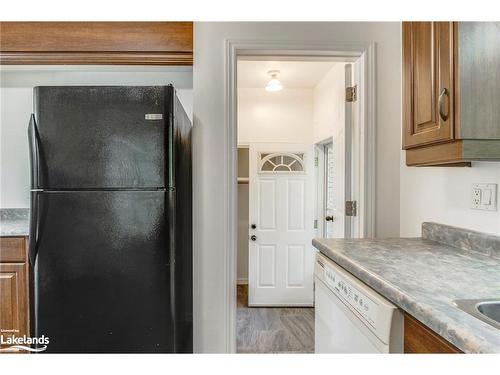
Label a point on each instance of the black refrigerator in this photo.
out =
(110, 244)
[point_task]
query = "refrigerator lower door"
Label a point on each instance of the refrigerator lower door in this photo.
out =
(102, 272)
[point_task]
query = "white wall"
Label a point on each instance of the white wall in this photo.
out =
(283, 116)
(15, 108)
(211, 310)
(329, 104)
(16, 92)
(443, 195)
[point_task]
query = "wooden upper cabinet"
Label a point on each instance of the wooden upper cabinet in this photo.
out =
(450, 94)
(427, 83)
(97, 43)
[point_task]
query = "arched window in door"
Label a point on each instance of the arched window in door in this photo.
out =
(282, 162)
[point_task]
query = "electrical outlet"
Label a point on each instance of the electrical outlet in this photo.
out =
(476, 197)
(484, 197)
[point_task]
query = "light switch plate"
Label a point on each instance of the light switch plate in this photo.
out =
(484, 197)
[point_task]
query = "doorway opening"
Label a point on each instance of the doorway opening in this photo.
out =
(298, 169)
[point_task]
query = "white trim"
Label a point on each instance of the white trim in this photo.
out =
(234, 48)
(319, 151)
(230, 191)
(324, 141)
(265, 304)
(321, 185)
(370, 142)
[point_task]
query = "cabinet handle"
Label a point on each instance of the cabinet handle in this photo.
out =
(442, 96)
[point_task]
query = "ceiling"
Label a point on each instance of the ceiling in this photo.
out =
(293, 74)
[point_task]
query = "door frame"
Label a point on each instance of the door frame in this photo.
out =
(319, 149)
(346, 52)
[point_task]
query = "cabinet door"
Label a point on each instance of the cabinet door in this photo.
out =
(13, 299)
(418, 339)
(427, 83)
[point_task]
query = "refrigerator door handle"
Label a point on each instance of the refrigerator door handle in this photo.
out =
(33, 231)
(34, 151)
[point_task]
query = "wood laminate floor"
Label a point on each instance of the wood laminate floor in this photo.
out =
(273, 329)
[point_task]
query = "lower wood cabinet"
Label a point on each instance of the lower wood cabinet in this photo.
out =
(420, 339)
(14, 295)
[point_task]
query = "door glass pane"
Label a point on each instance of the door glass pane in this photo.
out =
(282, 168)
(278, 162)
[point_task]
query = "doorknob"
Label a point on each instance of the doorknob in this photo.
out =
(253, 226)
(253, 237)
(329, 218)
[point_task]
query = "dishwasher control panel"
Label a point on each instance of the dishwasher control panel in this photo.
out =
(351, 295)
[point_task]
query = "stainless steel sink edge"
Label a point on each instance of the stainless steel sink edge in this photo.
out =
(476, 308)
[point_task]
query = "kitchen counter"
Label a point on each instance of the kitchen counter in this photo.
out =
(424, 275)
(14, 222)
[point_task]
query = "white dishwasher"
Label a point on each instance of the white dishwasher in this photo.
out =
(350, 317)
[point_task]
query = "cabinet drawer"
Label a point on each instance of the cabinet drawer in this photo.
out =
(13, 249)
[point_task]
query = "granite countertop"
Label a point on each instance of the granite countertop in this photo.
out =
(424, 275)
(14, 222)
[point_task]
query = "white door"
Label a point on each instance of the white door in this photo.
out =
(337, 177)
(281, 217)
(348, 141)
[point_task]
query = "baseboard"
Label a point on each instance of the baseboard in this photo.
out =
(281, 305)
(242, 281)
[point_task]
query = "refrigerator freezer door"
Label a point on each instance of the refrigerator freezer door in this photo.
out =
(93, 137)
(102, 272)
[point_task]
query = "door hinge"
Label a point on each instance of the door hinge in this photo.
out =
(315, 224)
(351, 94)
(316, 161)
(350, 208)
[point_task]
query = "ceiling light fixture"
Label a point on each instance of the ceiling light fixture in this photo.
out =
(274, 84)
